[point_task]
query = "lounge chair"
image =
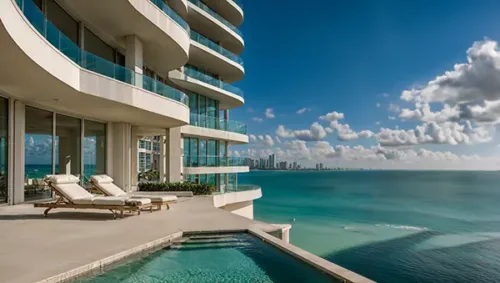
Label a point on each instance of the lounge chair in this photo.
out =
(71, 195)
(104, 184)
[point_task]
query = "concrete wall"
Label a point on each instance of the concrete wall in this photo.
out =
(244, 209)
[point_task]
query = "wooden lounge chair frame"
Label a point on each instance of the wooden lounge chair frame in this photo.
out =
(64, 202)
(158, 204)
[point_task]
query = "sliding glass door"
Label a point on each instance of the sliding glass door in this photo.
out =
(74, 146)
(4, 107)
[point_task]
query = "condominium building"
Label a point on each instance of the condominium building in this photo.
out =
(119, 87)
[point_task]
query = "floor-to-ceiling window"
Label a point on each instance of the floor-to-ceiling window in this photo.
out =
(38, 152)
(59, 150)
(68, 145)
(4, 108)
(94, 148)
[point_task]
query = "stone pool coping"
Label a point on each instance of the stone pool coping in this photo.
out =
(318, 263)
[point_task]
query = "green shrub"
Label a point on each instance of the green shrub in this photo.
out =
(197, 189)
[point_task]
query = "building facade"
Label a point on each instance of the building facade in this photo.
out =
(84, 83)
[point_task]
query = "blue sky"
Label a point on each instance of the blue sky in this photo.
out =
(357, 58)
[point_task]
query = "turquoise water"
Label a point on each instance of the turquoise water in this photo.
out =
(391, 226)
(217, 258)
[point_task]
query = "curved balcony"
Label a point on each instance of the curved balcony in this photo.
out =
(180, 7)
(215, 58)
(208, 22)
(200, 164)
(232, 10)
(164, 34)
(215, 128)
(228, 96)
(66, 78)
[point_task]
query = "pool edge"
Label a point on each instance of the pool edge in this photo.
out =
(100, 265)
(315, 261)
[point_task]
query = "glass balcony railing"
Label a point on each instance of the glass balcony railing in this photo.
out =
(90, 61)
(164, 90)
(217, 48)
(190, 72)
(212, 161)
(171, 13)
(205, 8)
(217, 124)
(240, 188)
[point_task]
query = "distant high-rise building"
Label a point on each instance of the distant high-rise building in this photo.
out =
(295, 165)
(321, 166)
(317, 166)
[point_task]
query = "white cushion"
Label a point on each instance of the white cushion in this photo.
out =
(72, 191)
(83, 200)
(109, 200)
(98, 179)
(111, 189)
(62, 179)
(154, 198)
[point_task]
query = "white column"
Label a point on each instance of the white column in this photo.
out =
(134, 56)
(122, 155)
(18, 153)
(134, 156)
(163, 158)
(173, 164)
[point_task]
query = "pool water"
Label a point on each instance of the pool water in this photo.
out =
(215, 258)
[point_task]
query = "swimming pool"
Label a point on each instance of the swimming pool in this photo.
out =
(214, 258)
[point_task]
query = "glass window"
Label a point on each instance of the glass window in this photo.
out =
(156, 146)
(148, 161)
(212, 153)
(4, 107)
(68, 145)
(94, 149)
(203, 153)
(193, 152)
(211, 179)
(203, 111)
(38, 153)
(142, 144)
(193, 102)
(63, 21)
(142, 161)
(148, 145)
(203, 178)
(97, 46)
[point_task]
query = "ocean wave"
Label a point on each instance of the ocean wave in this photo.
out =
(456, 240)
(403, 227)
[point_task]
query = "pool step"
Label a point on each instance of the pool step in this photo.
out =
(209, 246)
(210, 241)
(206, 237)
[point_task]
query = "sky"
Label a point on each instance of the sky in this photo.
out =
(373, 83)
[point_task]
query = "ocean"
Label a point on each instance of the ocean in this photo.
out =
(390, 226)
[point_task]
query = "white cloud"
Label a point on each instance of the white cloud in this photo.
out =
(252, 138)
(250, 110)
(257, 119)
(385, 95)
(391, 118)
(471, 90)
(277, 139)
(270, 113)
(424, 113)
(315, 133)
(378, 105)
(377, 123)
(345, 133)
(332, 116)
(393, 107)
(303, 110)
(450, 133)
(266, 140)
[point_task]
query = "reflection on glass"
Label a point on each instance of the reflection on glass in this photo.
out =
(203, 153)
(94, 149)
(193, 152)
(38, 153)
(68, 145)
(4, 104)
